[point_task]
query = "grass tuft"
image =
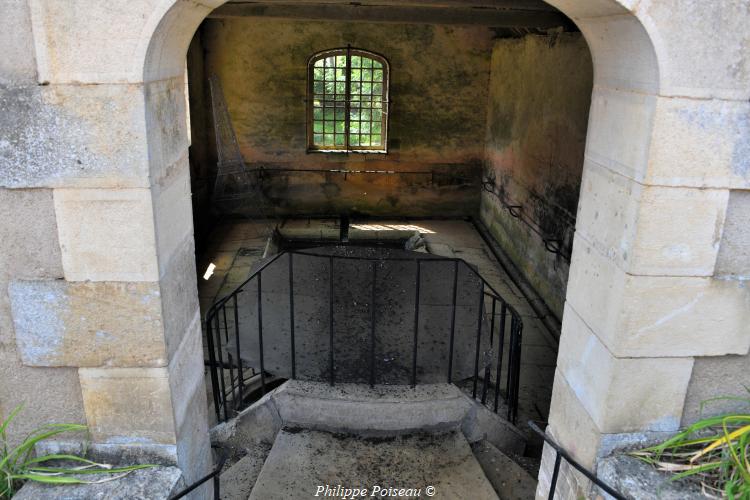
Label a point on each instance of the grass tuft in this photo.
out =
(714, 451)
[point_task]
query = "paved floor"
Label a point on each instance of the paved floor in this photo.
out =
(236, 245)
(303, 463)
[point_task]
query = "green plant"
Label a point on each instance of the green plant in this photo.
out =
(714, 451)
(19, 463)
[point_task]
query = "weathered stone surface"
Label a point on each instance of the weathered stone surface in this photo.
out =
(73, 136)
(619, 393)
(237, 482)
(300, 460)
(482, 424)
(700, 62)
(18, 64)
(194, 454)
(179, 295)
(166, 120)
(570, 424)
(656, 316)
(510, 480)
(48, 395)
(59, 323)
(734, 250)
(156, 483)
(28, 245)
(185, 374)
(640, 481)
(650, 230)
(358, 409)
(257, 424)
(128, 405)
(107, 234)
(619, 131)
(702, 143)
(714, 377)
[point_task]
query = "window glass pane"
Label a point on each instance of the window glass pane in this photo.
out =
(354, 114)
(376, 127)
(318, 139)
(329, 114)
(364, 140)
(317, 127)
(377, 65)
(365, 114)
(356, 75)
(341, 61)
(318, 87)
(340, 140)
(376, 140)
(341, 88)
(356, 61)
(340, 114)
(318, 73)
(318, 114)
(330, 74)
(355, 88)
(377, 88)
(341, 74)
(366, 62)
(353, 139)
(365, 127)
(367, 88)
(328, 139)
(330, 62)
(377, 75)
(328, 127)
(366, 75)
(340, 127)
(377, 115)
(354, 127)
(319, 63)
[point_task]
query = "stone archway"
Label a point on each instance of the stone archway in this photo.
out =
(660, 171)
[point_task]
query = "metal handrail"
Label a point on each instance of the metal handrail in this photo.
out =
(214, 474)
(217, 314)
(560, 453)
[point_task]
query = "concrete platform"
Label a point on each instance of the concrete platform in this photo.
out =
(302, 462)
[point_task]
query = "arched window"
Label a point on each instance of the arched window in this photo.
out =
(347, 106)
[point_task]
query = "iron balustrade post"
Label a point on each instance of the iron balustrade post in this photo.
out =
(500, 347)
(372, 323)
(212, 363)
(291, 313)
(453, 321)
(479, 339)
(229, 355)
(416, 325)
(555, 473)
(260, 334)
(240, 374)
(223, 393)
(330, 319)
(488, 367)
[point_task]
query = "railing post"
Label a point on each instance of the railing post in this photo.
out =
(500, 347)
(212, 363)
(229, 355)
(416, 325)
(330, 318)
(291, 313)
(453, 321)
(488, 356)
(555, 472)
(479, 338)
(240, 374)
(223, 394)
(372, 323)
(260, 333)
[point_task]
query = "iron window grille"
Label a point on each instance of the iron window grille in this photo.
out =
(347, 105)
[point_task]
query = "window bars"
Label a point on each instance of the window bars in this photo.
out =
(347, 106)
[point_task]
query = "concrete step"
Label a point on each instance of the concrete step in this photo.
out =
(510, 480)
(238, 480)
(302, 463)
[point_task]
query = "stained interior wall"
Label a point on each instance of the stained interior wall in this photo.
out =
(539, 97)
(438, 90)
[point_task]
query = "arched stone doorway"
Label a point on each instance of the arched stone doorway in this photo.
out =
(659, 175)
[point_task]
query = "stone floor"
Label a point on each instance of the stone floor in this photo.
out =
(302, 462)
(236, 245)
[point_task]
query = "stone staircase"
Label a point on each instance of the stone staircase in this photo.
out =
(306, 436)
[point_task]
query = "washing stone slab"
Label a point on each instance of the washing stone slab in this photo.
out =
(302, 462)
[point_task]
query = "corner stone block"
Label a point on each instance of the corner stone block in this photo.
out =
(128, 405)
(701, 143)
(733, 260)
(619, 393)
(90, 324)
(657, 316)
(69, 136)
(107, 234)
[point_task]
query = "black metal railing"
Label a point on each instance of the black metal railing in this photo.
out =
(561, 454)
(236, 383)
(214, 475)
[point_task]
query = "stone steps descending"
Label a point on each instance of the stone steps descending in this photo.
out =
(303, 462)
(371, 423)
(510, 480)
